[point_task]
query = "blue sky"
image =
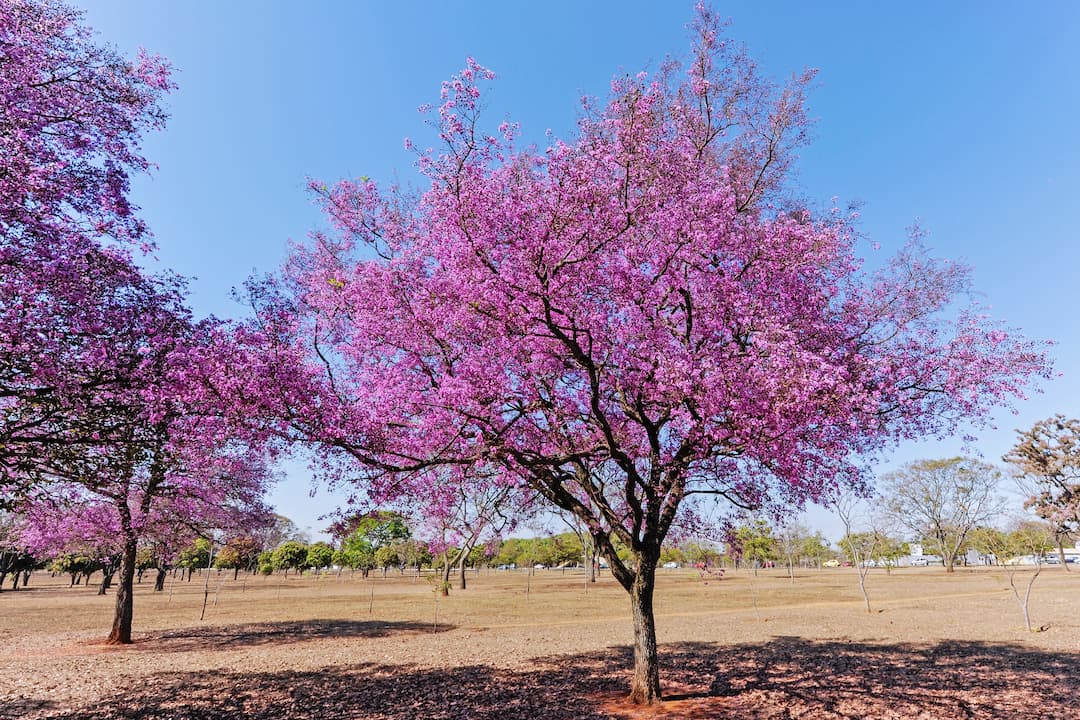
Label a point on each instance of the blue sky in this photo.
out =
(963, 116)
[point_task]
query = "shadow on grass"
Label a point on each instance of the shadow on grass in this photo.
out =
(783, 678)
(226, 637)
(24, 707)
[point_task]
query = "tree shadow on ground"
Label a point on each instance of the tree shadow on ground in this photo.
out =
(24, 707)
(226, 637)
(782, 678)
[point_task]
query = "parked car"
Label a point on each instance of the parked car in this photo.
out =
(670, 565)
(831, 563)
(919, 562)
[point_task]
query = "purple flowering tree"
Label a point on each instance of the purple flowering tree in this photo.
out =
(104, 413)
(624, 323)
(71, 117)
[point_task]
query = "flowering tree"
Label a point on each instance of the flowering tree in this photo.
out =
(461, 515)
(87, 530)
(123, 422)
(103, 424)
(145, 452)
(623, 323)
(113, 515)
(71, 117)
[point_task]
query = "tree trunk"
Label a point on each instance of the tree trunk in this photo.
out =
(948, 552)
(462, 559)
(125, 590)
(15, 581)
(159, 581)
(106, 579)
(862, 584)
(645, 684)
(444, 586)
(1060, 548)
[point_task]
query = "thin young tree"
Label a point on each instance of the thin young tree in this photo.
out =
(791, 540)
(1025, 539)
(859, 545)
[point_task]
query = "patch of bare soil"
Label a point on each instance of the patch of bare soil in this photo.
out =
(515, 646)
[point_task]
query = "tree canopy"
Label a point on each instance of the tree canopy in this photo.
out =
(1048, 458)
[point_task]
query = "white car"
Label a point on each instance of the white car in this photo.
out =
(670, 565)
(919, 562)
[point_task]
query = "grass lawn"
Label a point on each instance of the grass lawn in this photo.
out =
(515, 645)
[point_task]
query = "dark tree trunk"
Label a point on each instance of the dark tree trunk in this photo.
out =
(159, 581)
(236, 573)
(645, 684)
(3, 576)
(121, 629)
(461, 567)
(15, 581)
(106, 580)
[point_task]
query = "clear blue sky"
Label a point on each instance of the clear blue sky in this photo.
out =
(963, 115)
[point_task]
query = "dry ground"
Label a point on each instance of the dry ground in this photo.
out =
(519, 647)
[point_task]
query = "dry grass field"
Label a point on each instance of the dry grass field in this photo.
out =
(519, 647)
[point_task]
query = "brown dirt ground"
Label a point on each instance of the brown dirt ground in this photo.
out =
(531, 648)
